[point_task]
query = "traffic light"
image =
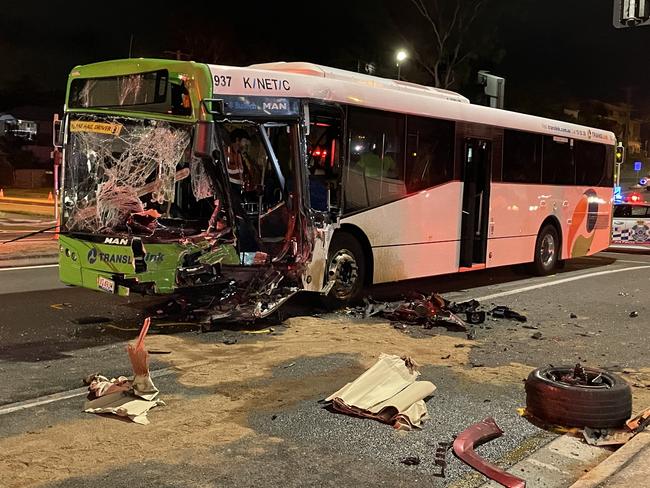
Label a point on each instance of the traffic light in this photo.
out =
(620, 153)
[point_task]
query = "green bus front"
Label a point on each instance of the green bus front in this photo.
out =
(146, 202)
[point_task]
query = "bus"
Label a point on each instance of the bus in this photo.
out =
(246, 185)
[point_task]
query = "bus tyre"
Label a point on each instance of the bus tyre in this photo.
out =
(547, 247)
(347, 267)
(554, 396)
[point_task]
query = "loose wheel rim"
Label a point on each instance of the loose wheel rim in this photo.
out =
(547, 250)
(556, 375)
(345, 271)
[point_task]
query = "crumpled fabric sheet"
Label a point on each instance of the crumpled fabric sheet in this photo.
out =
(123, 397)
(387, 392)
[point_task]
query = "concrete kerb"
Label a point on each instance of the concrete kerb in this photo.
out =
(557, 464)
(10, 261)
(615, 464)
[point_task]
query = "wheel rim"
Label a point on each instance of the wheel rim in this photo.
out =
(547, 250)
(345, 271)
(589, 380)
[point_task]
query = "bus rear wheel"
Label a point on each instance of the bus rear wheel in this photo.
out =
(547, 248)
(346, 265)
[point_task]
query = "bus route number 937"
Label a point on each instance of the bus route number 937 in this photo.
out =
(222, 80)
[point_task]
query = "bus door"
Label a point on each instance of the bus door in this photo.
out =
(477, 165)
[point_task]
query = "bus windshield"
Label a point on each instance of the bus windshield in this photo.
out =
(121, 175)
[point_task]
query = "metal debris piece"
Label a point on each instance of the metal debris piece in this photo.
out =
(503, 312)
(426, 310)
(440, 458)
(476, 435)
(411, 461)
(268, 330)
(614, 437)
(634, 314)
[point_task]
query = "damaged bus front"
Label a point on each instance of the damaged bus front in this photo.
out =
(169, 190)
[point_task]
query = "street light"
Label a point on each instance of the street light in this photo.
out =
(400, 56)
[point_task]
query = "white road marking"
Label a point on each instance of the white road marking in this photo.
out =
(558, 282)
(30, 267)
(64, 395)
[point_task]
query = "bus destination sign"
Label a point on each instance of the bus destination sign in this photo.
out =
(260, 106)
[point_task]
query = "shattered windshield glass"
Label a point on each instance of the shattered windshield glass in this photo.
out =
(131, 175)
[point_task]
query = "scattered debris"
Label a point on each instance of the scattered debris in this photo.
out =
(411, 461)
(229, 342)
(476, 435)
(537, 336)
(573, 316)
(61, 306)
(268, 330)
(426, 310)
(613, 437)
(533, 327)
(122, 396)
(503, 312)
(634, 314)
(440, 458)
(623, 294)
(387, 392)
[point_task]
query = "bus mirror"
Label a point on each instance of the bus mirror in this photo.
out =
(203, 137)
(57, 132)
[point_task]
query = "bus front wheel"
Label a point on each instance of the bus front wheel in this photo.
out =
(547, 247)
(347, 267)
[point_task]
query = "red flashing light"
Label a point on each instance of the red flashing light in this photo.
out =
(634, 198)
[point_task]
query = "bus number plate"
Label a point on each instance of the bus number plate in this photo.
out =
(105, 284)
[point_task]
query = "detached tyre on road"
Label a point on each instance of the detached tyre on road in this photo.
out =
(574, 396)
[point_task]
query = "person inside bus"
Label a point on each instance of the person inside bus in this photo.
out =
(374, 165)
(238, 162)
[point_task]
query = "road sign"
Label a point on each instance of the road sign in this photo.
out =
(638, 165)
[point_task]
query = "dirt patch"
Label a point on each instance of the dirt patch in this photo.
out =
(238, 380)
(500, 375)
(639, 380)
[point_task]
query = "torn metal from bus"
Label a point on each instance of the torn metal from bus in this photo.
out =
(476, 435)
(427, 310)
(138, 186)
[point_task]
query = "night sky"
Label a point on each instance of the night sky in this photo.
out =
(548, 50)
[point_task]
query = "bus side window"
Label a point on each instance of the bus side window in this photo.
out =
(429, 153)
(375, 173)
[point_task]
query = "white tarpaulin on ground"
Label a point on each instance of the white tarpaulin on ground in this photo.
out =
(387, 392)
(125, 398)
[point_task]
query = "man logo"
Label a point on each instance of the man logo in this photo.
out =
(92, 256)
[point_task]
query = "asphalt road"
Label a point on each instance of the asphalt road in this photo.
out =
(52, 336)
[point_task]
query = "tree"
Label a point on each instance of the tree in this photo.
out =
(444, 46)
